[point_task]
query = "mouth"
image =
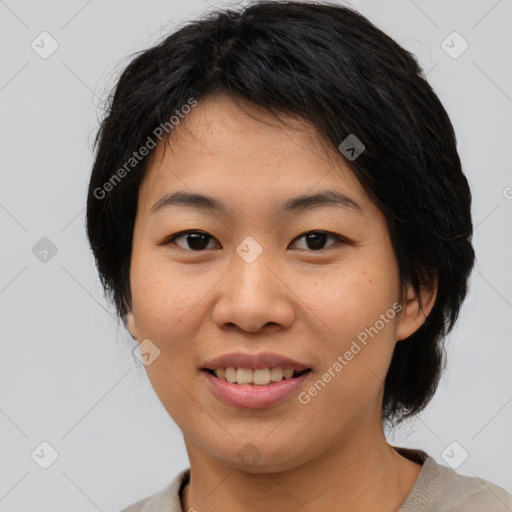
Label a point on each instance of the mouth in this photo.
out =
(254, 388)
(255, 377)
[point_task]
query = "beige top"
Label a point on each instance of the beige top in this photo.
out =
(438, 488)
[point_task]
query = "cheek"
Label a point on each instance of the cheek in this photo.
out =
(166, 297)
(352, 295)
(167, 310)
(357, 301)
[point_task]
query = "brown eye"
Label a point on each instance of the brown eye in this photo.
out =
(315, 240)
(197, 241)
(194, 240)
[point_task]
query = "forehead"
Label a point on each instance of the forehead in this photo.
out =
(238, 151)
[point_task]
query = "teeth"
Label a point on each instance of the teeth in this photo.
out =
(244, 376)
(230, 374)
(288, 374)
(259, 377)
(276, 374)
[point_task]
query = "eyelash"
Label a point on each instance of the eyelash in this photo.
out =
(172, 238)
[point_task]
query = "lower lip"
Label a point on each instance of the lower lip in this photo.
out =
(255, 397)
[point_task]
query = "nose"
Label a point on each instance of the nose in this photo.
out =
(253, 297)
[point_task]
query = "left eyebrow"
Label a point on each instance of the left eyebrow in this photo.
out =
(294, 204)
(188, 199)
(322, 198)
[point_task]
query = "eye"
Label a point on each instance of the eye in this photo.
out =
(315, 240)
(196, 240)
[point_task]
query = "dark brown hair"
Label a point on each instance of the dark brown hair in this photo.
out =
(329, 65)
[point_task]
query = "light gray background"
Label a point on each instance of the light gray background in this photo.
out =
(67, 373)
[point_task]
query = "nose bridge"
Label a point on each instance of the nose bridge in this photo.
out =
(253, 296)
(252, 278)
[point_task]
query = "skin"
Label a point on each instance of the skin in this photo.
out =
(308, 304)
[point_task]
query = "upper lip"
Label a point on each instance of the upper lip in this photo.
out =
(254, 361)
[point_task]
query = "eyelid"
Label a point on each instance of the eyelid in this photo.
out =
(339, 238)
(169, 240)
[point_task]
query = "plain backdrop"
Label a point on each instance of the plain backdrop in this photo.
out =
(68, 378)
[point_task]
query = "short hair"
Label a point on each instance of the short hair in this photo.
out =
(330, 66)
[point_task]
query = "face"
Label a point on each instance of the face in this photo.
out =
(263, 276)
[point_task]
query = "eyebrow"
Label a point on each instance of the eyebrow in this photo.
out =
(294, 204)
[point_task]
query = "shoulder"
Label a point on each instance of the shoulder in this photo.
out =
(167, 499)
(460, 493)
(440, 488)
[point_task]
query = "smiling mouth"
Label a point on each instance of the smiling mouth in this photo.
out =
(257, 377)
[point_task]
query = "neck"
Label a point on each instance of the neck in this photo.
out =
(357, 476)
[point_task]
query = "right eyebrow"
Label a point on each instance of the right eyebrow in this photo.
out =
(299, 203)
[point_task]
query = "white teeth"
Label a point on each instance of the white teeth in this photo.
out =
(276, 374)
(231, 374)
(288, 373)
(244, 375)
(259, 377)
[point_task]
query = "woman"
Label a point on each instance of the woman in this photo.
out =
(277, 210)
